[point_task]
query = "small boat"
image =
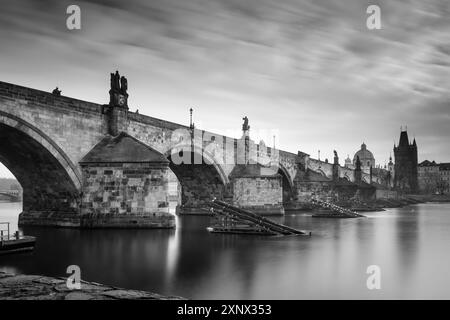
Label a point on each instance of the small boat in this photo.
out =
(14, 243)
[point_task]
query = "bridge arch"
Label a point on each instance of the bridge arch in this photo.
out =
(287, 184)
(322, 172)
(51, 182)
(200, 182)
(12, 196)
(347, 176)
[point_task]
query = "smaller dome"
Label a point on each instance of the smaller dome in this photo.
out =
(348, 160)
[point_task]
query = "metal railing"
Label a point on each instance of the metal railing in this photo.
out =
(7, 236)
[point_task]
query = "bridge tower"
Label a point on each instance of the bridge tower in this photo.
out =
(405, 167)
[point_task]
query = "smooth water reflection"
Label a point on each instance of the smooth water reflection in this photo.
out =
(409, 244)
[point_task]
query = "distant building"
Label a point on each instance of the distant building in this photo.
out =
(405, 168)
(434, 177)
(428, 176)
(444, 173)
(391, 167)
(366, 157)
(348, 163)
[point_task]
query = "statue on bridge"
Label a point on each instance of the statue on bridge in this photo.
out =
(118, 93)
(336, 158)
(119, 84)
(123, 85)
(245, 126)
(56, 92)
(115, 82)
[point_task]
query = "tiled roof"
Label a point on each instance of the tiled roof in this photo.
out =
(427, 163)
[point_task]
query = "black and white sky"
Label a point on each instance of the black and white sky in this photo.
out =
(309, 70)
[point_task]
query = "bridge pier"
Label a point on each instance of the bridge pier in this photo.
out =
(258, 189)
(125, 184)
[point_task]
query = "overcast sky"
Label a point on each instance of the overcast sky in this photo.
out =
(309, 70)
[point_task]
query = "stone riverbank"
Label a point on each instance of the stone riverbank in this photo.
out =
(34, 287)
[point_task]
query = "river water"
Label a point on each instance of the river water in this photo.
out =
(411, 246)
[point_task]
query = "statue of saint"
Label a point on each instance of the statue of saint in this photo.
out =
(115, 82)
(335, 154)
(56, 92)
(123, 85)
(245, 126)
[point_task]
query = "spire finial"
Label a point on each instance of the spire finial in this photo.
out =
(191, 124)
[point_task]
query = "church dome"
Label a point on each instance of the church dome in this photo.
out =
(365, 156)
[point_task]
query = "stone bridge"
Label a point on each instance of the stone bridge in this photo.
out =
(12, 195)
(92, 165)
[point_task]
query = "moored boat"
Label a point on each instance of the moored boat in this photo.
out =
(16, 242)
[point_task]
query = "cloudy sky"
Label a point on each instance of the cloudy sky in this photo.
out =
(309, 70)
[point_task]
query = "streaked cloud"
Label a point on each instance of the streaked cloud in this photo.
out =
(309, 68)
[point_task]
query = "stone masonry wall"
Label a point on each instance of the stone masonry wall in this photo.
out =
(75, 125)
(263, 194)
(306, 190)
(125, 193)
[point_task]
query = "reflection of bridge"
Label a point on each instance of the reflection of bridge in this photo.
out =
(81, 163)
(13, 195)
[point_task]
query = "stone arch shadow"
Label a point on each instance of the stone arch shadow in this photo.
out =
(322, 172)
(287, 184)
(200, 182)
(50, 181)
